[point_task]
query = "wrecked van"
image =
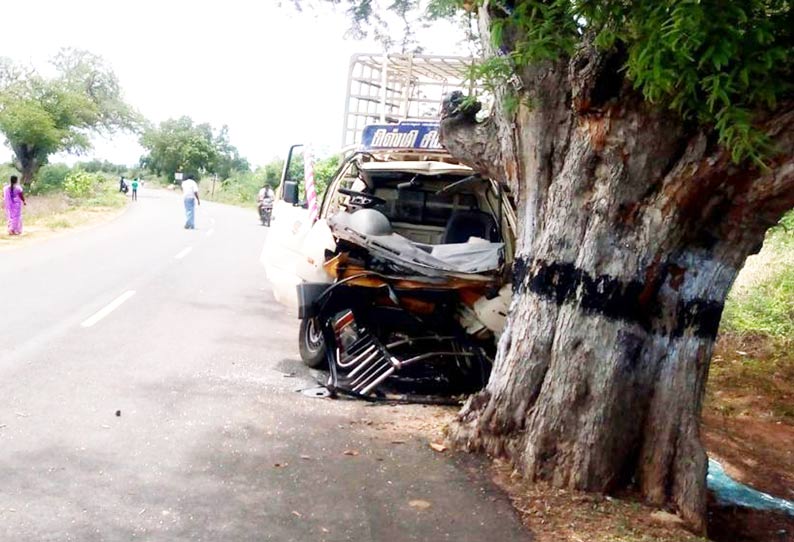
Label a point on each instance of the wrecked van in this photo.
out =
(404, 274)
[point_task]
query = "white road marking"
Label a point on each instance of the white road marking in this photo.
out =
(182, 253)
(210, 232)
(110, 307)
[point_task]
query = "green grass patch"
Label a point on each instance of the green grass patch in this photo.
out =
(104, 198)
(240, 190)
(766, 309)
(762, 301)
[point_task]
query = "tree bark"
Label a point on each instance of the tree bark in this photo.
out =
(632, 230)
(27, 162)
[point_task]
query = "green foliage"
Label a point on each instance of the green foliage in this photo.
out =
(324, 171)
(194, 149)
(768, 307)
(51, 177)
(784, 231)
(767, 310)
(243, 187)
(239, 189)
(715, 63)
(104, 166)
(6, 170)
(105, 193)
(81, 184)
(40, 116)
(270, 173)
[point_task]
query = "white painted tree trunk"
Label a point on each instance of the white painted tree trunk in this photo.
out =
(633, 229)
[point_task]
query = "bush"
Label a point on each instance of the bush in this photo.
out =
(51, 177)
(81, 184)
(6, 170)
(768, 309)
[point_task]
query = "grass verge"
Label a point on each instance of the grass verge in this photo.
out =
(53, 212)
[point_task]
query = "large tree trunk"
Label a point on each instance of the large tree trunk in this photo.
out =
(632, 230)
(27, 162)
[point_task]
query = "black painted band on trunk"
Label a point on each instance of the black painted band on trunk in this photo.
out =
(631, 301)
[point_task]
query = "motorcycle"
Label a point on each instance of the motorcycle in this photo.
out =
(265, 210)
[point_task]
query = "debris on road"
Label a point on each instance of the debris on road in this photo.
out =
(665, 518)
(419, 504)
(438, 447)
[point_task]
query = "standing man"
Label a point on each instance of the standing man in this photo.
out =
(191, 197)
(135, 189)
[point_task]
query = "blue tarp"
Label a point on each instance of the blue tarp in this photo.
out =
(730, 492)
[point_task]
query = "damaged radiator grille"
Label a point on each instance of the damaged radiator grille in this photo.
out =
(366, 364)
(363, 362)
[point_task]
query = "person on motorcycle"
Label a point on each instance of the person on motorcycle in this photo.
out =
(265, 201)
(265, 193)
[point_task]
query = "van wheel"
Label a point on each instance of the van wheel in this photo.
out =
(311, 343)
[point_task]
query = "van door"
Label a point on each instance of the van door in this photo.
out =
(289, 227)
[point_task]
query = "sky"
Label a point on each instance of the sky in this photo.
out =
(274, 75)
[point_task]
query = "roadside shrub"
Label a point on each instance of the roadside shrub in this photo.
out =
(51, 177)
(6, 170)
(768, 309)
(81, 184)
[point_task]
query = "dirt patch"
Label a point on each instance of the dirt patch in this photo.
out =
(402, 423)
(748, 421)
(743, 525)
(46, 227)
(754, 451)
(557, 515)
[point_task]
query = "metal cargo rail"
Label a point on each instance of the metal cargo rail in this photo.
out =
(395, 87)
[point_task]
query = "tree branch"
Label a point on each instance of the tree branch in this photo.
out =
(475, 143)
(775, 187)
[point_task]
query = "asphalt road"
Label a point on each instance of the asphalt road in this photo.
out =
(177, 332)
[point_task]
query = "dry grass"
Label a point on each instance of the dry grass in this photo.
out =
(46, 215)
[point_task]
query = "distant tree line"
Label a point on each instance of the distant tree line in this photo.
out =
(44, 115)
(41, 116)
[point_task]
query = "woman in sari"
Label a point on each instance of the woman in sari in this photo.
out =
(14, 200)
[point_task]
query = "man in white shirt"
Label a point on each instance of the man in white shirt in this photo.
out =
(265, 192)
(191, 196)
